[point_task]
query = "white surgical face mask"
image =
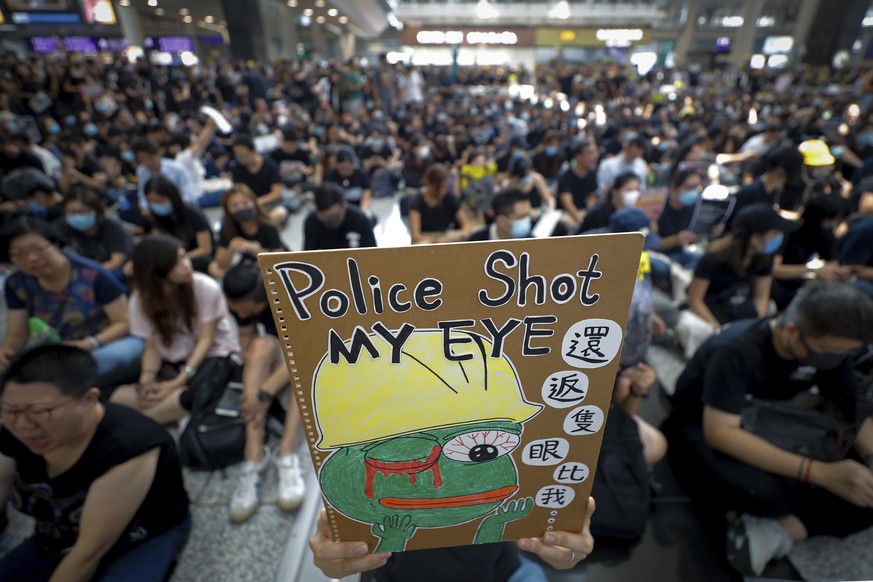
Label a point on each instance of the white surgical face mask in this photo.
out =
(629, 199)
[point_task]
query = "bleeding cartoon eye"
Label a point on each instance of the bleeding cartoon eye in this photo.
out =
(480, 446)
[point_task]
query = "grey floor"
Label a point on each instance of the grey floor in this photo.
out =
(272, 544)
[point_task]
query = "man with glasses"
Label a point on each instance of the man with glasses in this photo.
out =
(781, 496)
(103, 482)
(335, 224)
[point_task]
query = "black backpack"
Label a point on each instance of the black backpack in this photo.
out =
(211, 441)
(621, 486)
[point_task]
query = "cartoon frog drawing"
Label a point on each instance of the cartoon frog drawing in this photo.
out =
(423, 443)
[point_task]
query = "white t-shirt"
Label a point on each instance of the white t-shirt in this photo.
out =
(195, 169)
(210, 305)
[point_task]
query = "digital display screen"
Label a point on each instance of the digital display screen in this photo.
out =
(45, 18)
(114, 44)
(79, 44)
(44, 44)
(170, 44)
(38, 5)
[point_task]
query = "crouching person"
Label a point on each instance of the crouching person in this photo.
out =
(264, 376)
(102, 481)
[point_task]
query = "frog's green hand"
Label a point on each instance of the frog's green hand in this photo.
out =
(491, 528)
(393, 533)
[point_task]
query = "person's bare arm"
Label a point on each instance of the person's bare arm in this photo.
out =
(203, 138)
(543, 188)
(17, 334)
(847, 478)
(696, 292)
(274, 195)
(205, 337)
(116, 261)
(110, 505)
(97, 182)
(463, 221)
(761, 294)
(366, 198)
(204, 245)
(575, 214)
(415, 233)
(7, 479)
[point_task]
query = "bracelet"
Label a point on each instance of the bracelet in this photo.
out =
(189, 370)
(808, 473)
(95, 343)
(800, 469)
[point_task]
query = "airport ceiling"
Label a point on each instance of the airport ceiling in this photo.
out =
(209, 13)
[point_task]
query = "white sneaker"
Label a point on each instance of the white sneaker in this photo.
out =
(291, 487)
(753, 541)
(245, 497)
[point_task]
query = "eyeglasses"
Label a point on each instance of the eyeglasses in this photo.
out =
(24, 253)
(36, 415)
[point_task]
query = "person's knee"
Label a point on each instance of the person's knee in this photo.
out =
(654, 442)
(262, 351)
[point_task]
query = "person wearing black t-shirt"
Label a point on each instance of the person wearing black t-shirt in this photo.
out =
(261, 175)
(793, 266)
(92, 234)
(782, 167)
(577, 186)
(12, 157)
(245, 229)
(335, 224)
(624, 194)
(169, 215)
(293, 160)
(732, 280)
(103, 482)
(435, 213)
(782, 496)
(675, 220)
(354, 182)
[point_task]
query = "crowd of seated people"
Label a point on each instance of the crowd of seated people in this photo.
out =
(104, 229)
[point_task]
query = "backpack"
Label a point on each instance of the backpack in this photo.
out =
(621, 486)
(212, 441)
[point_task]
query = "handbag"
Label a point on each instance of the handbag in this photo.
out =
(210, 440)
(823, 435)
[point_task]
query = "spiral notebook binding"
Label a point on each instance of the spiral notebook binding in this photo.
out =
(297, 387)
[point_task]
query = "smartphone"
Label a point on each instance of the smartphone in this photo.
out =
(229, 403)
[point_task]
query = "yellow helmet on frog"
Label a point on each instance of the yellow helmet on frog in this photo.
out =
(374, 399)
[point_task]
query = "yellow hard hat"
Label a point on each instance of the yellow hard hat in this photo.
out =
(816, 153)
(374, 399)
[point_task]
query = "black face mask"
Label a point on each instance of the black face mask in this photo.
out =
(245, 214)
(818, 360)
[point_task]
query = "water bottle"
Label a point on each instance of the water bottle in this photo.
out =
(41, 333)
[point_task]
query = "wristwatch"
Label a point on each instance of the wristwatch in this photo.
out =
(264, 396)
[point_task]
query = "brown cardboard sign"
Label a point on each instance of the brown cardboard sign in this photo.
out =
(454, 394)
